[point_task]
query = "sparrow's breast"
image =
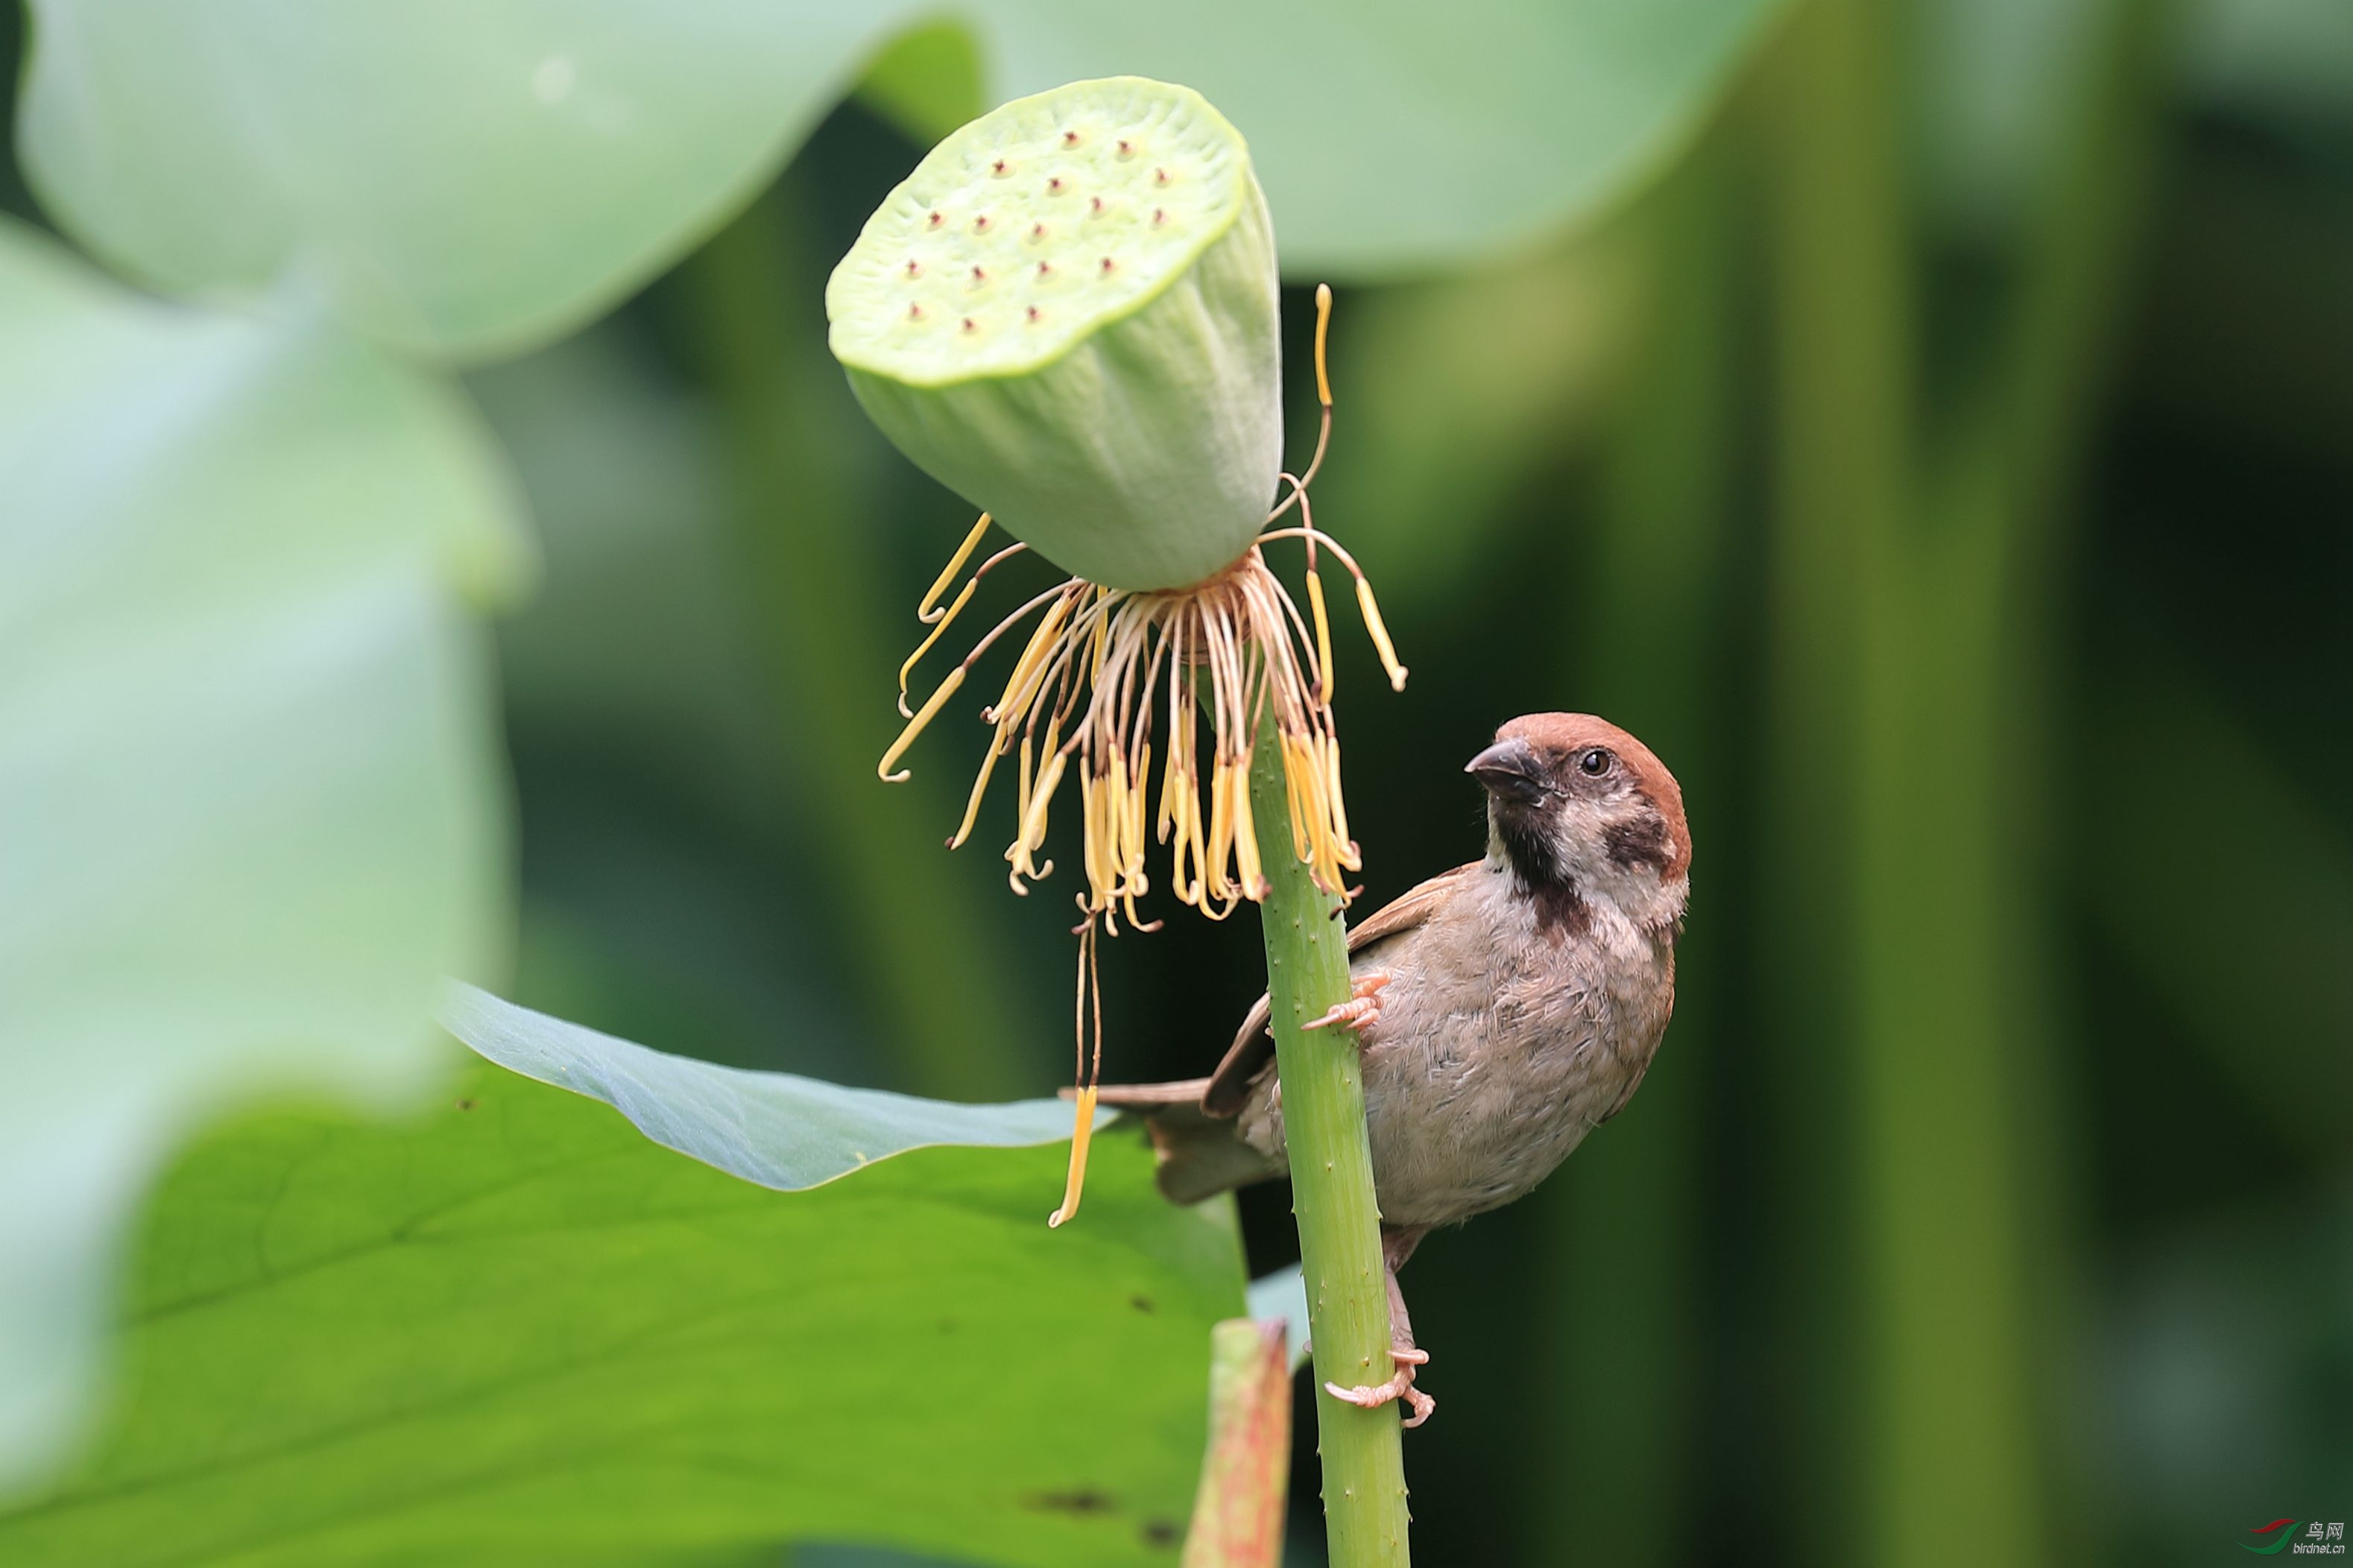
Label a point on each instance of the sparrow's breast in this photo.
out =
(1505, 1034)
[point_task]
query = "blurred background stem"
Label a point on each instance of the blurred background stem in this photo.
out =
(802, 537)
(1946, 561)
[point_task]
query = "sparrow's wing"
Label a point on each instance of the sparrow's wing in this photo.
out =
(1230, 1085)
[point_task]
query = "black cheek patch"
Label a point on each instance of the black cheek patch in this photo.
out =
(1642, 842)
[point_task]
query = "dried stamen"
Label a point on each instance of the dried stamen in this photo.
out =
(1235, 654)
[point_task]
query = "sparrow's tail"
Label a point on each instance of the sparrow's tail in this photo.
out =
(1201, 1156)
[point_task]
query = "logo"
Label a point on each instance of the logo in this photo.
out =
(2299, 1537)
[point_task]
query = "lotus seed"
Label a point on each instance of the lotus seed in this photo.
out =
(1036, 231)
(980, 223)
(937, 220)
(999, 167)
(1033, 312)
(1054, 185)
(1159, 176)
(968, 324)
(1070, 138)
(1126, 149)
(1159, 216)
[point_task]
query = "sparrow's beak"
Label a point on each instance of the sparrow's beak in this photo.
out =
(1511, 771)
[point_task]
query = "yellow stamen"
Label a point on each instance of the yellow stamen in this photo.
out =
(1033, 828)
(979, 788)
(945, 620)
(1323, 639)
(1075, 1183)
(928, 611)
(1323, 325)
(1135, 839)
(1380, 634)
(1254, 884)
(1348, 855)
(1295, 796)
(1222, 828)
(915, 727)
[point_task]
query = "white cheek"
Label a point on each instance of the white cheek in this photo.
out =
(1576, 838)
(1638, 890)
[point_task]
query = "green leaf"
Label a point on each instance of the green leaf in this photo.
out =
(252, 799)
(927, 83)
(776, 1128)
(519, 1333)
(458, 177)
(470, 179)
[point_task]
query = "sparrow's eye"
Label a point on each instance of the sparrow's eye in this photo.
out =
(1594, 763)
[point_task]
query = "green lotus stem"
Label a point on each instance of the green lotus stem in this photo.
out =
(1331, 1187)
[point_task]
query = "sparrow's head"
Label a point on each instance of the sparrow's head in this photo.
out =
(1581, 809)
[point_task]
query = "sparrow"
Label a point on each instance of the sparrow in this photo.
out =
(1504, 1009)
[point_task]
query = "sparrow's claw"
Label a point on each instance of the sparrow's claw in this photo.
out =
(1399, 1386)
(1363, 1008)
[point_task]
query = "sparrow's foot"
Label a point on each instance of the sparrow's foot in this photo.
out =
(1400, 1386)
(1363, 1008)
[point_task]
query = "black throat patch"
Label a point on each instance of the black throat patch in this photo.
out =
(1561, 912)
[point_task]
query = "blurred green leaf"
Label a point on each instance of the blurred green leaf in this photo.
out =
(470, 180)
(252, 793)
(774, 1129)
(519, 1333)
(458, 177)
(2276, 59)
(1986, 95)
(927, 83)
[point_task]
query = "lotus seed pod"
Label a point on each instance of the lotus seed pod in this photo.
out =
(1068, 314)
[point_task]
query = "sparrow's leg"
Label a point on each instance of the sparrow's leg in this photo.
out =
(1396, 1245)
(1362, 1010)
